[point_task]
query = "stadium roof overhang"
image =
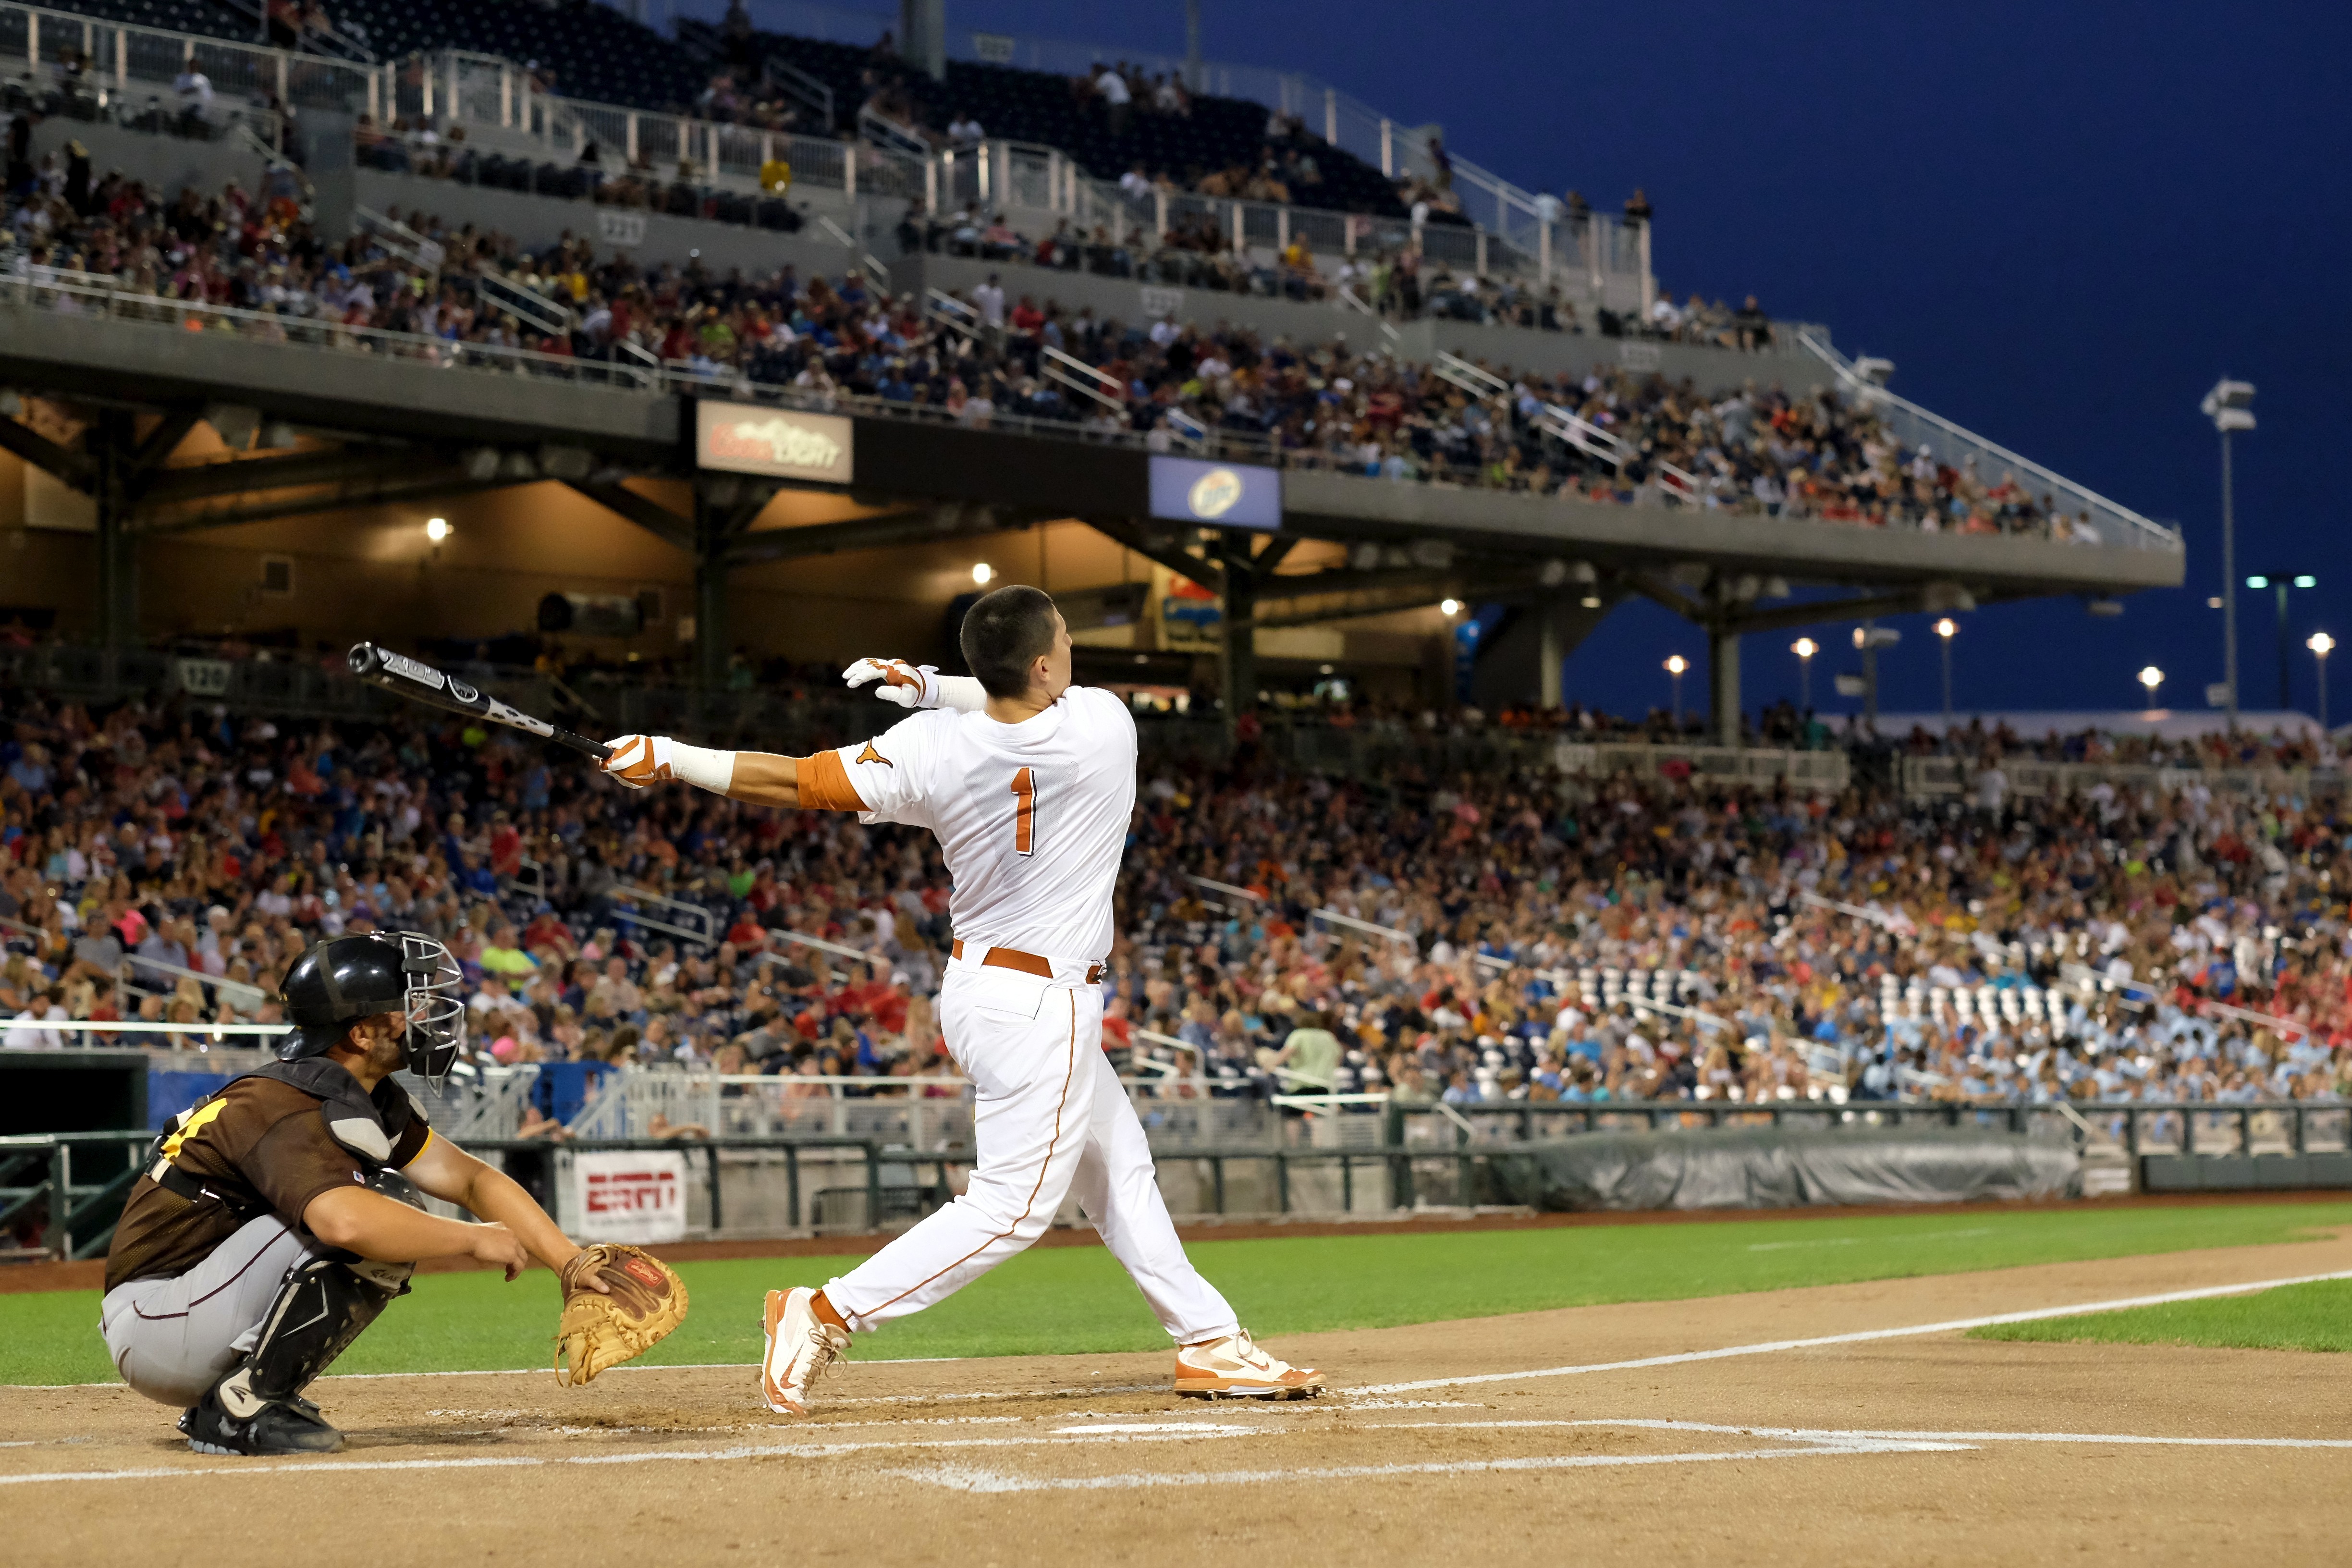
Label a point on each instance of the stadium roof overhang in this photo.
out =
(411, 428)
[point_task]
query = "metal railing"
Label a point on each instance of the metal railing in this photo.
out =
(1594, 254)
(121, 59)
(1532, 226)
(71, 1183)
(1956, 447)
(296, 688)
(496, 100)
(1924, 778)
(41, 288)
(1379, 1156)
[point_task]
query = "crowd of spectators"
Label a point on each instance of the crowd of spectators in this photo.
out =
(1752, 449)
(1501, 930)
(1611, 435)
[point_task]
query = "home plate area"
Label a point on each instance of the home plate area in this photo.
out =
(1812, 1421)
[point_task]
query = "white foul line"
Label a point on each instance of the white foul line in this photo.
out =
(1812, 1441)
(1955, 1325)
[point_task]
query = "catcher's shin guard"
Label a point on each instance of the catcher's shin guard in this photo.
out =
(323, 1306)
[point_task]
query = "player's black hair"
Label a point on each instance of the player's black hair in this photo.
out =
(1002, 635)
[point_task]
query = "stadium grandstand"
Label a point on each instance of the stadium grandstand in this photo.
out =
(647, 378)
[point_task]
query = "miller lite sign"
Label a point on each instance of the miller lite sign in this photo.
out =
(779, 443)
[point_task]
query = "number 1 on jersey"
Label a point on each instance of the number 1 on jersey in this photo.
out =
(1024, 813)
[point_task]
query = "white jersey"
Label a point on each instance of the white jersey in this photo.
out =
(1033, 817)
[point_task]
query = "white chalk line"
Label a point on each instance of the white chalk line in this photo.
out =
(1816, 1434)
(1810, 1440)
(964, 1479)
(1868, 1240)
(1863, 1336)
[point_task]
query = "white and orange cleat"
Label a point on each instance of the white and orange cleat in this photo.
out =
(1235, 1368)
(799, 1346)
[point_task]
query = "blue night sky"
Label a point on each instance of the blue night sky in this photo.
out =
(2064, 222)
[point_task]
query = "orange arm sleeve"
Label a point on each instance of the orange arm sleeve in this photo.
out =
(825, 787)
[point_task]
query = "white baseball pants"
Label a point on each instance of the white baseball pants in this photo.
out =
(1050, 1118)
(173, 1338)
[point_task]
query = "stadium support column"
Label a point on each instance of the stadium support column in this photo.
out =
(1239, 626)
(713, 532)
(1552, 655)
(1723, 684)
(923, 36)
(112, 449)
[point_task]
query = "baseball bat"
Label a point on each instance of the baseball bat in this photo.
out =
(420, 682)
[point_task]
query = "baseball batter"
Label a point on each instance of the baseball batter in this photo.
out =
(1029, 783)
(277, 1219)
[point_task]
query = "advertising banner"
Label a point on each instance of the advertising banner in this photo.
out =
(780, 443)
(637, 1197)
(1222, 495)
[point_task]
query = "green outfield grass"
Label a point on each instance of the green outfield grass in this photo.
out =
(2313, 1317)
(1076, 1299)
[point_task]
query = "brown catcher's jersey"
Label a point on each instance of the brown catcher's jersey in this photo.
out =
(259, 1146)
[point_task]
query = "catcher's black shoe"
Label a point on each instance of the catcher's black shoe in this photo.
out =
(290, 1426)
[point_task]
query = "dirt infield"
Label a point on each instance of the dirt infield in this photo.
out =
(1916, 1448)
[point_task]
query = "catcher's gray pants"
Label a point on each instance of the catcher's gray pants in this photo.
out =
(173, 1339)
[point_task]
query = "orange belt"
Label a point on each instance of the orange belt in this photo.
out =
(1027, 962)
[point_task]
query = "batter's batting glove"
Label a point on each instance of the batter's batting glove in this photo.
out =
(907, 685)
(640, 760)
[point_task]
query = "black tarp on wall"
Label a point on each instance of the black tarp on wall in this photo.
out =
(1767, 1168)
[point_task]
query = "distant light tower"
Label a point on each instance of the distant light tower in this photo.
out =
(2151, 678)
(2282, 582)
(2228, 406)
(1945, 630)
(1804, 649)
(2320, 645)
(1675, 664)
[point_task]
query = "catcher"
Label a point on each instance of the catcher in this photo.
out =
(278, 1219)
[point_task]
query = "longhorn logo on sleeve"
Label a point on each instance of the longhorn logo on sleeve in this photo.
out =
(870, 755)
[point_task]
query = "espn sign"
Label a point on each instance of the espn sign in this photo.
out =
(780, 443)
(629, 1198)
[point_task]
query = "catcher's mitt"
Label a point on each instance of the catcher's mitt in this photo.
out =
(598, 1330)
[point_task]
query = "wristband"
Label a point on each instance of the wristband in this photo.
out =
(963, 693)
(702, 767)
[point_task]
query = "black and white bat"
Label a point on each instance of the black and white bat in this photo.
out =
(420, 682)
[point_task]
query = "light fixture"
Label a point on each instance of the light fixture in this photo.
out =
(2321, 643)
(2151, 678)
(437, 529)
(2258, 581)
(1946, 627)
(2307, 581)
(981, 572)
(2213, 601)
(1677, 664)
(1804, 648)
(1449, 606)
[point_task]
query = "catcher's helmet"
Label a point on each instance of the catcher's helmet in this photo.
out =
(347, 978)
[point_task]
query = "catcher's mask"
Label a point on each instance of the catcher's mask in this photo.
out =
(348, 978)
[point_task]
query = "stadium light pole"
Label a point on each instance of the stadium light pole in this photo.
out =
(2320, 645)
(1944, 630)
(2151, 678)
(2228, 406)
(2282, 582)
(1804, 649)
(1675, 664)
